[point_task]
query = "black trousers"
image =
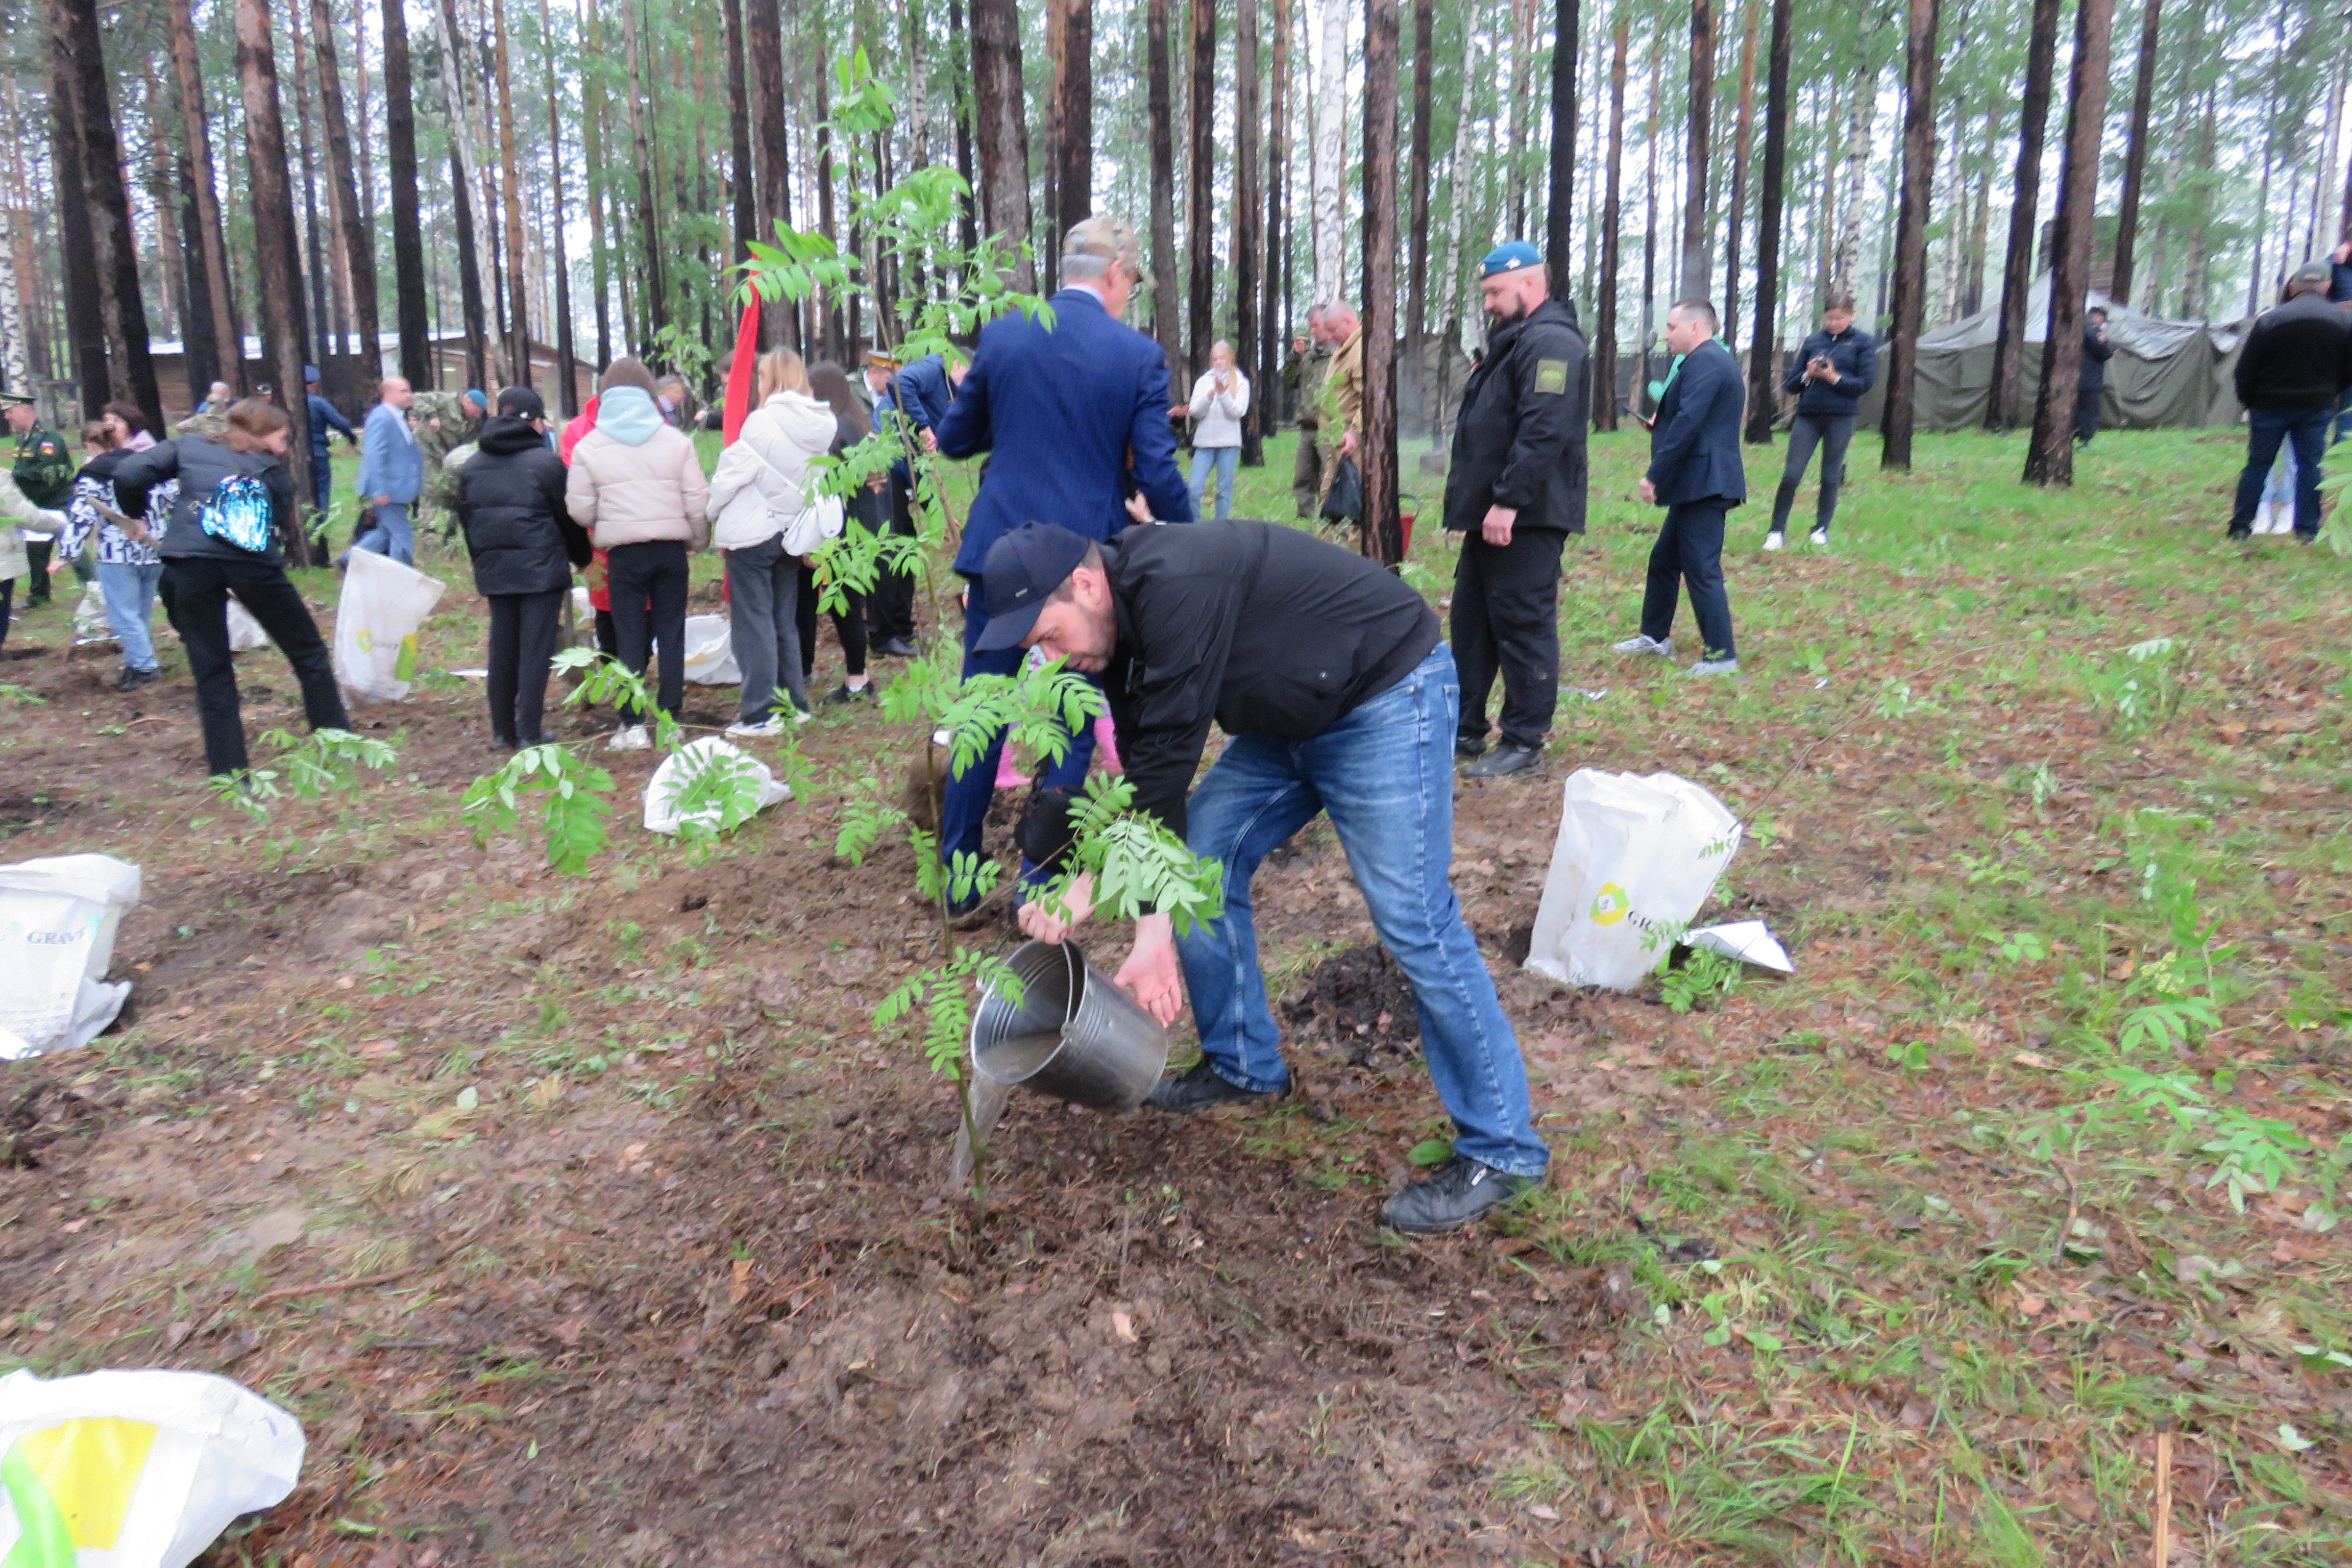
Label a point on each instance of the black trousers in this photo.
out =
(648, 593)
(36, 573)
(850, 625)
(1689, 551)
(890, 609)
(1506, 620)
(7, 593)
(1831, 433)
(2086, 414)
(523, 628)
(196, 592)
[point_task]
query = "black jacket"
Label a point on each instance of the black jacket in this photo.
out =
(1855, 356)
(200, 464)
(1520, 438)
(2097, 353)
(1266, 630)
(2297, 356)
(510, 504)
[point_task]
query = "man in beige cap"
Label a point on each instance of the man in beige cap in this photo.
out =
(1063, 411)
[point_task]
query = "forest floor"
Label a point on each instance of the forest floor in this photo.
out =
(594, 1219)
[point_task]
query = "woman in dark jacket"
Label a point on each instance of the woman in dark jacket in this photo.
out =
(869, 508)
(524, 545)
(236, 501)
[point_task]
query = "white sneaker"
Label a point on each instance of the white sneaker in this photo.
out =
(1646, 645)
(1715, 666)
(1819, 537)
(1775, 540)
(632, 739)
(802, 715)
(746, 731)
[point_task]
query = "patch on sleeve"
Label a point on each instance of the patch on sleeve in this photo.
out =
(1551, 375)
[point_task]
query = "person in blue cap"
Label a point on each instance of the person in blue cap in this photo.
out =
(1515, 491)
(1338, 699)
(325, 422)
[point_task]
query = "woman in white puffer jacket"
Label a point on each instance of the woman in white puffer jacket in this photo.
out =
(762, 486)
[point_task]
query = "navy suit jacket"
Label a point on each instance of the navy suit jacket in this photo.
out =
(1057, 411)
(1695, 446)
(922, 393)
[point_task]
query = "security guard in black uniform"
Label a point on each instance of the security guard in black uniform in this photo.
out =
(1515, 491)
(44, 470)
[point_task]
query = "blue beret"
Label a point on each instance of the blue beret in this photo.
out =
(1510, 257)
(481, 402)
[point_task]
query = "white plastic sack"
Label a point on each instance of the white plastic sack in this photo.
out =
(579, 620)
(676, 773)
(57, 920)
(382, 605)
(1750, 942)
(710, 652)
(245, 633)
(1636, 858)
(135, 1469)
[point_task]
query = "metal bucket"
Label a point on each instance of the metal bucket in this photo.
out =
(1072, 1036)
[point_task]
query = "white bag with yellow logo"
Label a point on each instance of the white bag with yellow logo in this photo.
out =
(376, 623)
(135, 1469)
(1635, 860)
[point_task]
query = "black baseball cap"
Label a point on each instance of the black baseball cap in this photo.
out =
(521, 403)
(1021, 572)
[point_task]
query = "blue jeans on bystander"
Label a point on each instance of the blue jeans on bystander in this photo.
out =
(1226, 461)
(129, 593)
(388, 533)
(2305, 429)
(1384, 775)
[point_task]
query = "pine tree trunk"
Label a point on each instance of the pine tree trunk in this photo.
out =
(519, 357)
(592, 149)
(1612, 235)
(1741, 140)
(2119, 280)
(410, 304)
(1458, 175)
(358, 245)
(568, 382)
(1696, 268)
(1515, 157)
(315, 272)
(277, 250)
(836, 345)
(764, 58)
(1199, 188)
(1272, 326)
(195, 141)
(1331, 154)
(1559, 201)
(968, 216)
(1074, 171)
(2195, 282)
(1049, 200)
(2017, 263)
(1383, 532)
(1901, 365)
(1249, 245)
(1763, 352)
(657, 295)
(1002, 141)
(1416, 283)
(1161, 103)
(743, 197)
(474, 285)
(2051, 460)
(1649, 232)
(89, 110)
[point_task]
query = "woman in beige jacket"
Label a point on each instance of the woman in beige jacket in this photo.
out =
(636, 486)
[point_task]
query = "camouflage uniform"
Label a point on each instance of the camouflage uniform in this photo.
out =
(44, 471)
(442, 425)
(1341, 400)
(1303, 373)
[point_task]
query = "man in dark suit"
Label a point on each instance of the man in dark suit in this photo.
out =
(2093, 383)
(919, 396)
(1696, 475)
(1059, 409)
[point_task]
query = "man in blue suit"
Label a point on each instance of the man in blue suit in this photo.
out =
(916, 396)
(1696, 475)
(1060, 410)
(392, 472)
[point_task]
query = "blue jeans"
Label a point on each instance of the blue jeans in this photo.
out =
(1225, 460)
(1385, 775)
(130, 593)
(968, 792)
(2266, 428)
(388, 533)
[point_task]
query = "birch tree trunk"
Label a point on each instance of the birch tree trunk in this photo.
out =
(1331, 153)
(1458, 170)
(1853, 184)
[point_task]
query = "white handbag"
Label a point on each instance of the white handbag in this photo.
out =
(821, 520)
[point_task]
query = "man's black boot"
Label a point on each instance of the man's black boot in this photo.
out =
(1456, 1193)
(1199, 1089)
(1504, 760)
(1467, 748)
